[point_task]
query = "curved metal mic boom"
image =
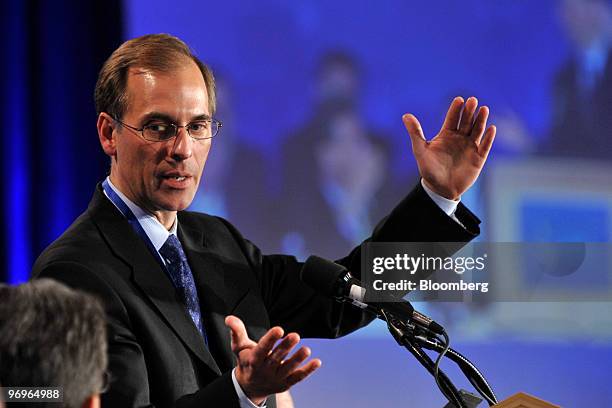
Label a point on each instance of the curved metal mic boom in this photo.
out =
(468, 368)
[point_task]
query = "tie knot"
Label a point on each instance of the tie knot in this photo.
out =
(172, 250)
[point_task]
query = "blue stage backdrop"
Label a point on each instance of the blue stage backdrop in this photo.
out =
(311, 93)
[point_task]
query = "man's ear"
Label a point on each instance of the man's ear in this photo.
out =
(106, 126)
(93, 401)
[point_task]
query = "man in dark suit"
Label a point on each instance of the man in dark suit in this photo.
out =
(347, 187)
(582, 89)
(172, 280)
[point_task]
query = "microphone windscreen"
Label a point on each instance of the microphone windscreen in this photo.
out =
(322, 275)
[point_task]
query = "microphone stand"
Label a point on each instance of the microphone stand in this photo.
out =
(407, 340)
(468, 368)
(413, 338)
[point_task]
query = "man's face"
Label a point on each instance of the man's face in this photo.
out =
(161, 176)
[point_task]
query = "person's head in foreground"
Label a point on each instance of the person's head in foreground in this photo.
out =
(53, 336)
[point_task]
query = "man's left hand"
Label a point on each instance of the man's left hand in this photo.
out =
(265, 368)
(451, 162)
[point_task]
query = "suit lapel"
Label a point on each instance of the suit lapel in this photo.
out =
(219, 287)
(148, 274)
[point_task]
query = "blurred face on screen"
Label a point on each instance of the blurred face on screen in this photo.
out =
(337, 86)
(161, 176)
(587, 21)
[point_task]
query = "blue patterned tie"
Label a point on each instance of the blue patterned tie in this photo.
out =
(182, 278)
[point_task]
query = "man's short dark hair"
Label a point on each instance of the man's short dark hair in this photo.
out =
(51, 335)
(154, 52)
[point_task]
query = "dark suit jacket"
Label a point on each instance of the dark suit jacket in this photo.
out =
(156, 355)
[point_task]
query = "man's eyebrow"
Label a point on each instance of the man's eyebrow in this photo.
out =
(157, 116)
(203, 116)
(169, 119)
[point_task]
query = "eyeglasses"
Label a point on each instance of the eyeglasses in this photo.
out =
(159, 131)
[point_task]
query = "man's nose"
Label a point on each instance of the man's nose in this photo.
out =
(183, 145)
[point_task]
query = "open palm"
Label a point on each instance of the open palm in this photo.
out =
(451, 162)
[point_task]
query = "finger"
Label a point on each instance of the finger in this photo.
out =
(487, 142)
(303, 372)
(467, 116)
(295, 360)
(415, 131)
(480, 124)
(451, 122)
(266, 343)
(284, 348)
(240, 338)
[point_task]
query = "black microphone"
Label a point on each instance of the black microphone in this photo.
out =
(332, 279)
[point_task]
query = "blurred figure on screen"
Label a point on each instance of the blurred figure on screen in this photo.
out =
(582, 92)
(53, 336)
(234, 185)
(337, 182)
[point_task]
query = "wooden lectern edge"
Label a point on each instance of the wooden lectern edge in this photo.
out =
(523, 400)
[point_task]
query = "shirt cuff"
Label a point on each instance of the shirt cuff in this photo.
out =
(446, 205)
(245, 402)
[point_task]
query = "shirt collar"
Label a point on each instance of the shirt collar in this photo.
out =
(156, 232)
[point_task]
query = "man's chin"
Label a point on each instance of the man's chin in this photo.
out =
(178, 204)
(176, 207)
